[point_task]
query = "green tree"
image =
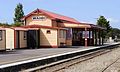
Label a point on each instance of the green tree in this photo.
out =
(115, 32)
(19, 13)
(17, 24)
(5, 25)
(102, 21)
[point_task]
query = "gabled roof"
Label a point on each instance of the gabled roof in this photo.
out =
(52, 15)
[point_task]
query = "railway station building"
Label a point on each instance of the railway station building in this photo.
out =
(48, 29)
(42, 28)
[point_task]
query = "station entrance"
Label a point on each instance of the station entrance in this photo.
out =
(33, 40)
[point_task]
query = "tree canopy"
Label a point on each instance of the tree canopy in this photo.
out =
(102, 21)
(5, 25)
(19, 13)
(115, 32)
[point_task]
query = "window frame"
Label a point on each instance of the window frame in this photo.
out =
(62, 34)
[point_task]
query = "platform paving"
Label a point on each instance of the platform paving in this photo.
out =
(27, 54)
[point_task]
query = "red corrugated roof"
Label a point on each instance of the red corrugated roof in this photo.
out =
(53, 15)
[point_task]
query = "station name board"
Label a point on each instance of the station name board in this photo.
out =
(41, 18)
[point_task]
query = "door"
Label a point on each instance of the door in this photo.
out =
(33, 38)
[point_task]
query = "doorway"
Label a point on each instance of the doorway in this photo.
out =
(33, 37)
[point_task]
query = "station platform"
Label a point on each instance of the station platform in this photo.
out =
(18, 57)
(28, 54)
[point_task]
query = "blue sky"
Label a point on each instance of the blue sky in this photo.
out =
(81, 10)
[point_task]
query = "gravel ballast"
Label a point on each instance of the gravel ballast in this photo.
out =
(98, 64)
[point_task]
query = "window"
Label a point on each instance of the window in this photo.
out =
(62, 34)
(48, 32)
(0, 35)
(41, 18)
(25, 35)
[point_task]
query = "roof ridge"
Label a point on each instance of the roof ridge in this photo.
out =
(54, 15)
(60, 15)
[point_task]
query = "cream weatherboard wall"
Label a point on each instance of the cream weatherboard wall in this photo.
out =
(23, 41)
(2, 42)
(46, 22)
(48, 39)
(9, 38)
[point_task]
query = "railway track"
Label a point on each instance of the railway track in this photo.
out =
(110, 65)
(63, 64)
